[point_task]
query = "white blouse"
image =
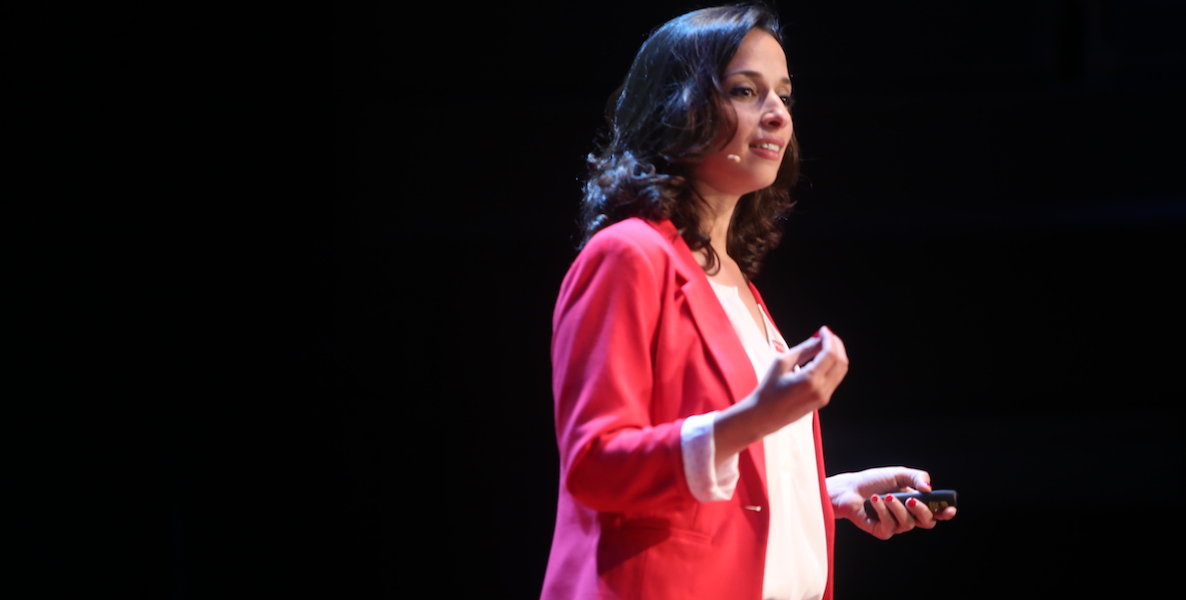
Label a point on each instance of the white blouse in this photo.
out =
(796, 551)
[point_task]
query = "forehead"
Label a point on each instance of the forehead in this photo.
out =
(762, 54)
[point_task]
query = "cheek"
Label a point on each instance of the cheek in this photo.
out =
(747, 121)
(737, 120)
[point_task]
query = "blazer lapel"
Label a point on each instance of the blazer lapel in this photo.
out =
(714, 325)
(716, 330)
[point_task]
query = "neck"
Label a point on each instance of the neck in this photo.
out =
(715, 216)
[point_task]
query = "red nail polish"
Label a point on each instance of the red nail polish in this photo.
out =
(816, 334)
(911, 502)
(889, 498)
(875, 498)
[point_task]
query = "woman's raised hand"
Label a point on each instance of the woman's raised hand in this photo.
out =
(802, 379)
(799, 381)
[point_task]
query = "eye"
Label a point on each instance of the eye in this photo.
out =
(743, 91)
(788, 100)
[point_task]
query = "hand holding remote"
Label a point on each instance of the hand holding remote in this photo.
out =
(937, 500)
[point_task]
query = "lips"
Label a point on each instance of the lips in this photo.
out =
(768, 148)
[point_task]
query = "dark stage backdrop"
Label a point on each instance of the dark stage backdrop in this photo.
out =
(992, 216)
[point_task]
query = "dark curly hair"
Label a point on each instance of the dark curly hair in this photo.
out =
(663, 120)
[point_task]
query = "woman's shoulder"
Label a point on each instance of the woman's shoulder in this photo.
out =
(637, 232)
(633, 242)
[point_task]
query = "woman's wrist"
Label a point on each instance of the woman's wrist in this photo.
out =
(738, 426)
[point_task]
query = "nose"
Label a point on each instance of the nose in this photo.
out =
(776, 115)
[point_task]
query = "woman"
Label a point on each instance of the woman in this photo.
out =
(688, 429)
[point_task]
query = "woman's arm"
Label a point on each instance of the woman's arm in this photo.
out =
(613, 458)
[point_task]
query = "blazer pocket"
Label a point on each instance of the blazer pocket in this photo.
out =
(654, 560)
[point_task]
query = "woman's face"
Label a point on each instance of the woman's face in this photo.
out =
(757, 86)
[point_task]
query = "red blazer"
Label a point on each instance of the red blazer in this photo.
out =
(641, 342)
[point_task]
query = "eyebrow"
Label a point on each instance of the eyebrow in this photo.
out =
(757, 75)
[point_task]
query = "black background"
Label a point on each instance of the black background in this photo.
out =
(992, 217)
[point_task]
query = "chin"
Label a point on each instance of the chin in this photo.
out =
(763, 183)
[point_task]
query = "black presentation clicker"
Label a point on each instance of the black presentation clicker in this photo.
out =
(937, 500)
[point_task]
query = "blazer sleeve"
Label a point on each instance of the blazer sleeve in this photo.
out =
(613, 458)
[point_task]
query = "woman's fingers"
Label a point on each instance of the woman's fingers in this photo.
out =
(884, 526)
(834, 357)
(901, 515)
(893, 516)
(803, 378)
(824, 355)
(923, 517)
